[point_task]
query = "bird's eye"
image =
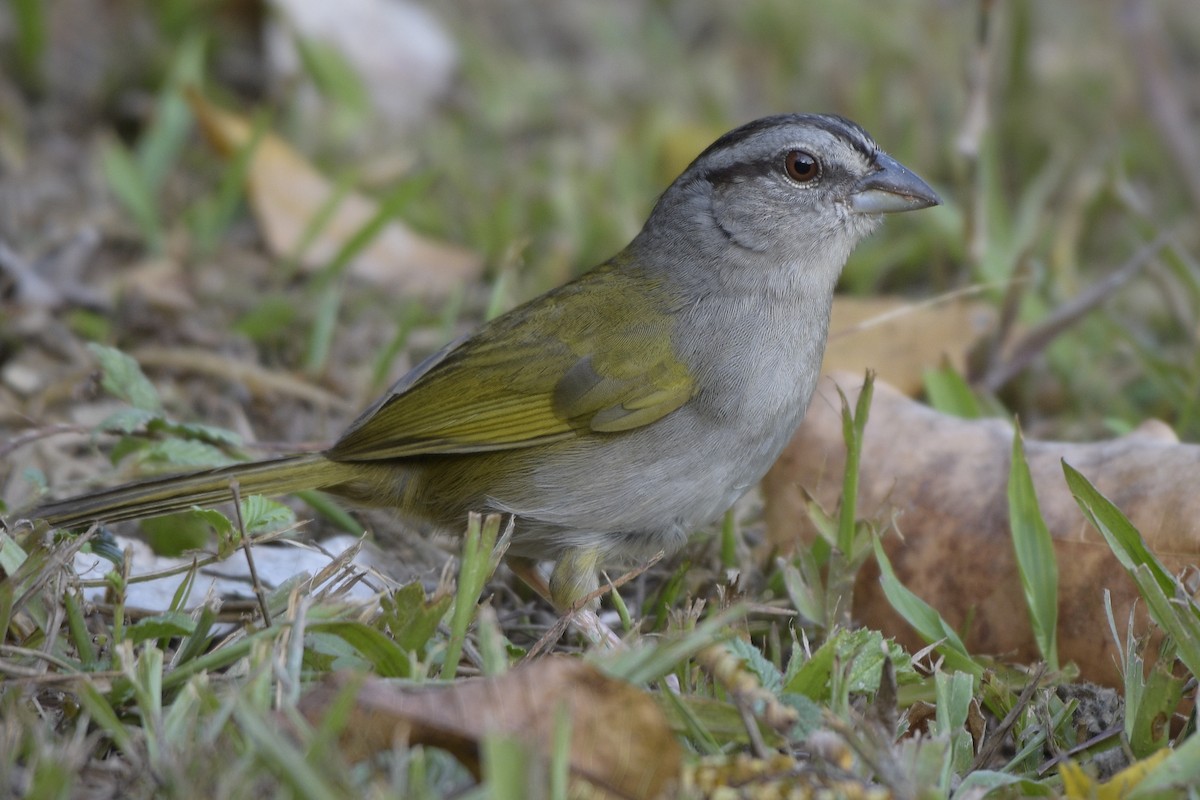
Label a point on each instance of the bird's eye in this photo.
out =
(801, 166)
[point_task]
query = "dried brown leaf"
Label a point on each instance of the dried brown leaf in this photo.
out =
(944, 481)
(621, 743)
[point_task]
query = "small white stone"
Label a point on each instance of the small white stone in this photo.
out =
(22, 379)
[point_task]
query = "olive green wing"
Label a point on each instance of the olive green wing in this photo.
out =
(557, 367)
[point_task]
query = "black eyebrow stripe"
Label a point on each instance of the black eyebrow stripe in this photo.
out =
(849, 132)
(846, 130)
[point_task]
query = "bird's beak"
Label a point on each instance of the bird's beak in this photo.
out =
(891, 188)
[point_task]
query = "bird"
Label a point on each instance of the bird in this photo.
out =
(616, 414)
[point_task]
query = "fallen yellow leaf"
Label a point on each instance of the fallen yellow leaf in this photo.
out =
(900, 339)
(287, 194)
(1078, 785)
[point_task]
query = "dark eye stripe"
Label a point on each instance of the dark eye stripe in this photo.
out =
(740, 171)
(749, 170)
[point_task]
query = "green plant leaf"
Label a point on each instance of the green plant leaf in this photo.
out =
(812, 678)
(805, 588)
(270, 317)
(474, 570)
(29, 21)
(174, 534)
(209, 434)
(277, 752)
(210, 217)
(123, 378)
(864, 650)
(982, 782)
(105, 717)
(170, 455)
(859, 653)
(128, 420)
(411, 618)
(954, 695)
(171, 624)
(338, 80)
(385, 656)
(753, 659)
(262, 515)
(1157, 699)
(810, 715)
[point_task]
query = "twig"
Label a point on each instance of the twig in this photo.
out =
(259, 592)
(64, 262)
(582, 610)
(258, 379)
(40, 655)
(974, 129)
(913, 308)
(750, 723)
(208, 560)
(1066, 315)
(1086, 744)
(1167, 106)
(22, 439)
(32, 288)
(59, 557)
(997, 738)
(25, 677)
(747, 692)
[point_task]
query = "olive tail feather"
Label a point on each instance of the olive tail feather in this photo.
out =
(171, 493)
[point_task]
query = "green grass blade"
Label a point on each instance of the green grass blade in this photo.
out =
(159, 147)
(105, 717)
(1035, 553)
(1169, 604)
(28, 21)
(924, 618)
(508, 767)
(1174, 613)
(949, 392)
(474, 571)
(129, 186)
(1126, 543)
(211, 217)
(270, 744)
(324, 285)
(853, 427)
(81, 637)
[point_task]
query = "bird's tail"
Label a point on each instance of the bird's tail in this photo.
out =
(170, 493)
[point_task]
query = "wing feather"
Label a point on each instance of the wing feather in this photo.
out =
(552, 369)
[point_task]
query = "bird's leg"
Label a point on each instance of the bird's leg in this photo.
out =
(574, 578)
